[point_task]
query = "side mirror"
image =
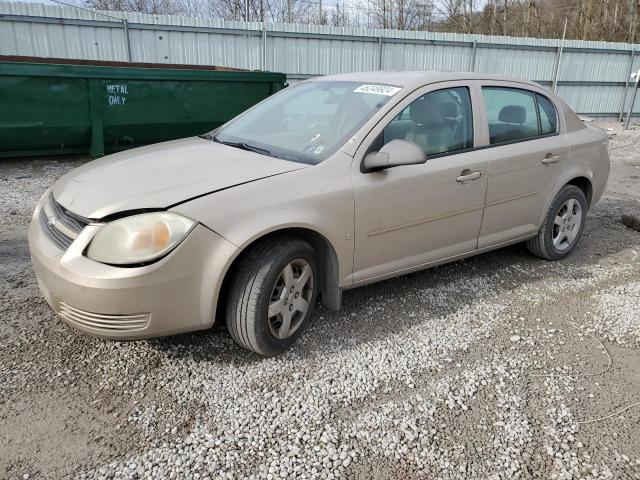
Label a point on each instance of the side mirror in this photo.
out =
(393, 154)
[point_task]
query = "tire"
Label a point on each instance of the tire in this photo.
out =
(260, 282)
(549, 242)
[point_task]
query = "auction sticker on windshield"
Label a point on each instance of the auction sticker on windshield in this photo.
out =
(377, 89)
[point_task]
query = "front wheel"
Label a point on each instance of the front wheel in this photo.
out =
(563, 225)
(272, 295)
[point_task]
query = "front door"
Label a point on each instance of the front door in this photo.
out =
(410, 216)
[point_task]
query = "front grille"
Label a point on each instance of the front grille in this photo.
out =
(59, 224)
(71, 220)
(102, 322)
(55, 235)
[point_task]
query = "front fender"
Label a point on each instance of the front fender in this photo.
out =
(319, 199)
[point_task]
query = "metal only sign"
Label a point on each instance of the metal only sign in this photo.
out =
(117, 94)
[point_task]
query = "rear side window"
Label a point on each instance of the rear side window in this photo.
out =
(548, 115)
(439, 122)
(511, 113)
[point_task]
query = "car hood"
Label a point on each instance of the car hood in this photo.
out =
(160, 176)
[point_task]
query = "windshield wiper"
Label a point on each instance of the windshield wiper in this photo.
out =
(244, 146)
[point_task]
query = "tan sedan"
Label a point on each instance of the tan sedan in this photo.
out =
(330, 184)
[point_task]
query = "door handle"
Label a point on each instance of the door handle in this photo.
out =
(467, 175)
(550, 158)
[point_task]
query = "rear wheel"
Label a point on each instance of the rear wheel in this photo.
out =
(563, 225)
(272, 295)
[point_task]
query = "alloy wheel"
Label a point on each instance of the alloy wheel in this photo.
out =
(566, 225)
(290, 298)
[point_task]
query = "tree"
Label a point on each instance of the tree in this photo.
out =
(611, 20)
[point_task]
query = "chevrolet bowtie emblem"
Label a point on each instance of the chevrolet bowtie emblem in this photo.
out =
(52, 220)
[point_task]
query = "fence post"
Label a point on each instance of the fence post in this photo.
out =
(633, 99)
(559, 57)
(556, 69)
(127, 41)
(264, 47)
(626, 85)
(473, 55)
(380, 52)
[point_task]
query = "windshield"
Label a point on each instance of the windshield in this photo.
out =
(308, 122)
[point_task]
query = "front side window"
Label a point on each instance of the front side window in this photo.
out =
(439, 122)
(308, 122)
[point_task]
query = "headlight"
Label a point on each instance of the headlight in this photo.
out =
(139, 239)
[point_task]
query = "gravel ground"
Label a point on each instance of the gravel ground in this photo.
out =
(500, 366)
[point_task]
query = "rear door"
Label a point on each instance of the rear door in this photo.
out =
(528, 150)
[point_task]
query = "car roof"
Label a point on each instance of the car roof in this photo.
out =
(416, 78)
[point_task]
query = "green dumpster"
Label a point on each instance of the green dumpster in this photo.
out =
(65, 108)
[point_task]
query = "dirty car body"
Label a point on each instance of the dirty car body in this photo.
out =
(331, 184)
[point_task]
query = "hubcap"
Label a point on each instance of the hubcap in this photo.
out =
(290, 298)
(566, 225)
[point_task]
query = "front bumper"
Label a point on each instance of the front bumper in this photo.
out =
(176, 294)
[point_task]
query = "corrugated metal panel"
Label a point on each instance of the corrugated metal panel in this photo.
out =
(302, 51)
(194, 48)
(602, 67)
(592, 99)
(315, 56)
(531, 64)
(400, 56)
